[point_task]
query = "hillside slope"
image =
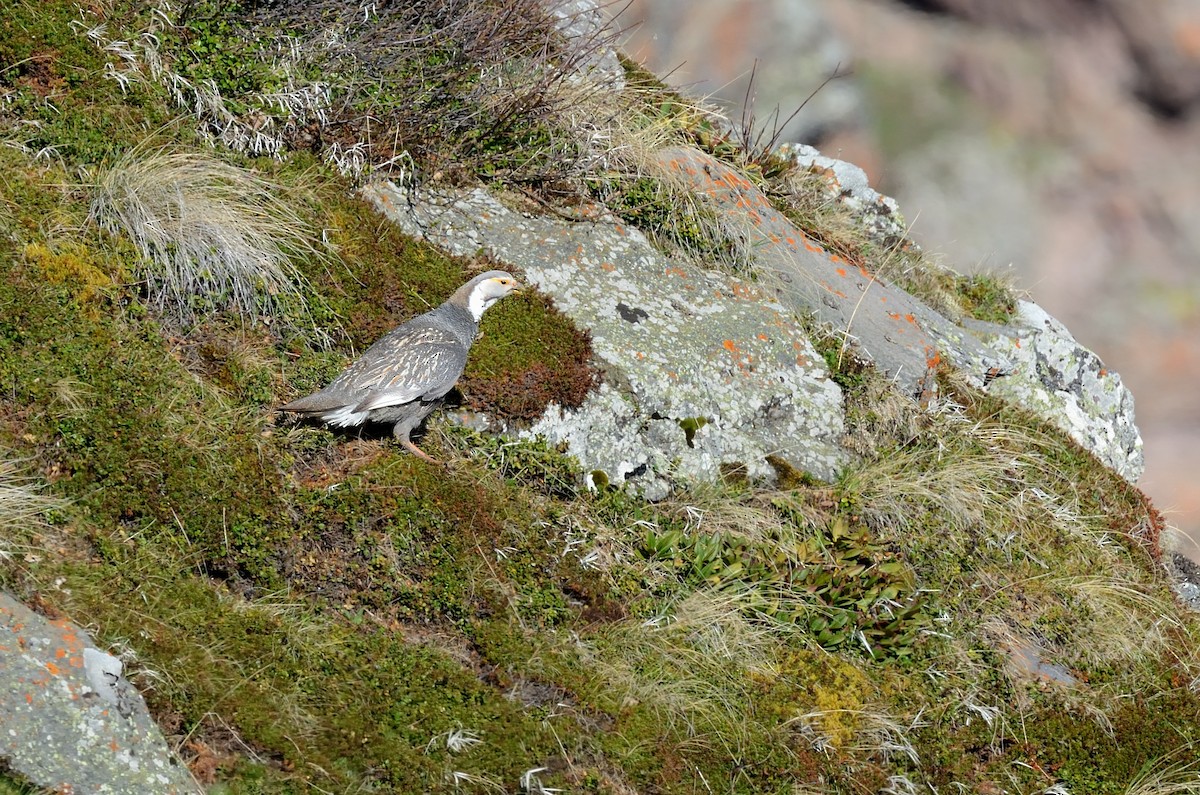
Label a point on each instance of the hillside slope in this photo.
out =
(966, 599)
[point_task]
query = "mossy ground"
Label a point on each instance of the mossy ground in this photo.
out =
(308, 610)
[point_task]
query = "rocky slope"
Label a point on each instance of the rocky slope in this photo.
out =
(744, 494)
(1053, 140)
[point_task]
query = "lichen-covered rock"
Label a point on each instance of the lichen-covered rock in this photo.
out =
(703, 368)
(585, 26)
(1070, 387)
(901, 335)
(1044, 369)
(68, 720)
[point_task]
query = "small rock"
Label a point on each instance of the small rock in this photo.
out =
(69, 721)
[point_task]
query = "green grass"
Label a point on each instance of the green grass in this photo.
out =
(306, 609)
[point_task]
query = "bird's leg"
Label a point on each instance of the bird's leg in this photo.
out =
(401, 430)
(417, 451)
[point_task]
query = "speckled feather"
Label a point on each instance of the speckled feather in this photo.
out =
(406, 373)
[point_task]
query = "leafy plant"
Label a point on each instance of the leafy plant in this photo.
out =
(841, 586)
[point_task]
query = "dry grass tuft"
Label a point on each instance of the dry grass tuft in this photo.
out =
(1173, 774)
(22, 508)
(693, 666)
(211, 235)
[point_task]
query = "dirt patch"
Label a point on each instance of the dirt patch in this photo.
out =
(39, 73)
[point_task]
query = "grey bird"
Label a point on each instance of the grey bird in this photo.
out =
(405, 375)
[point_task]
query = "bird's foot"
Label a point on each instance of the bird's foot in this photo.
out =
(419, 453)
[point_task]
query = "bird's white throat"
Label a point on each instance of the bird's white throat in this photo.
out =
(479, 301)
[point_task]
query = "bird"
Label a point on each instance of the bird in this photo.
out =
(406, 374)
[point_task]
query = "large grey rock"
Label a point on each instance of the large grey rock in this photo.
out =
(69, 721)
(677, 343)
(586, 28)
(1045, 369)
(681, 343)
(901, 335)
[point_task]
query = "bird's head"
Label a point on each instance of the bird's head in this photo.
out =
(485, 290)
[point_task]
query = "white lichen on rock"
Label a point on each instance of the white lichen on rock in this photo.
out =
(1070, 387)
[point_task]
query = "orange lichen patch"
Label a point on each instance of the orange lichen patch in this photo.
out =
(773, 237)
(883, 299)
(60, 653)
(763, 337)
(741, 360)
(675, 271)
(813, 247)
(620, 230)
(745, 291)
(934, 360)
(1103, 372)
(641, 356)
(607, 267)
(841, 271)
(738, 180)
(69, 637)
(910, 319)
(835, 258)
(1017, 342)
(53, 669)
(112, 745)
(29, 698)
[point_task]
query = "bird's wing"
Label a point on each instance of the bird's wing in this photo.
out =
(424, 363)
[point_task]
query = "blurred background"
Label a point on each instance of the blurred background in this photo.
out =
(1058, 140)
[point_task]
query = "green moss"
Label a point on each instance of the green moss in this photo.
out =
(215, 47)
(986, 297)
(1089, 756)
(129, 434)
(676, 222)
(12, 784)
(61, 105)
(324, 701)
(530, 355)
(74, 268)
(690, 426)
(847, 369)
